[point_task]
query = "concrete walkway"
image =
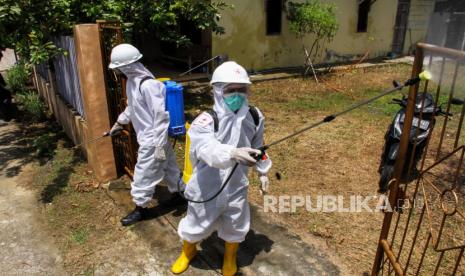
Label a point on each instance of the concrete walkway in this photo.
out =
(26, 248)
(269, 249)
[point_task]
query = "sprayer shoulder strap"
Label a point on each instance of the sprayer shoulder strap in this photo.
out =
(255, 116)
(252, 110)
(146, 78)
(215, 118)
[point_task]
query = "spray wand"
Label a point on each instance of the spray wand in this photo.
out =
(425, 75)
(106, 134)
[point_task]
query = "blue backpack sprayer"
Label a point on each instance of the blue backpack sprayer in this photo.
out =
(175, 106)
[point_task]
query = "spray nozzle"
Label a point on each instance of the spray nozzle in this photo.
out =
(425, 75)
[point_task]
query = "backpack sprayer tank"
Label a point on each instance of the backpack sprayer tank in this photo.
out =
(175, 107)
(178, 126)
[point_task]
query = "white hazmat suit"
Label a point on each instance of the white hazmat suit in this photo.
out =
(146, 111)
(211, 154)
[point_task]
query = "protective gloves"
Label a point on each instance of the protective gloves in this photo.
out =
(265, 183)
(116, 129)
(242, 156)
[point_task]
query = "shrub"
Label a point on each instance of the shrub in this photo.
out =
(43, 145)
(313, 18)
(32, 104)
(17, 77)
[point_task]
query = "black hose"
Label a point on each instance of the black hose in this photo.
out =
(216, 194)
(174, 142)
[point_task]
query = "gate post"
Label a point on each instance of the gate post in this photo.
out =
(398, 167)
(91, 76)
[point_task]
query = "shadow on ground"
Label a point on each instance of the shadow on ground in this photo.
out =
(23, 143)
(60, 174)
(269, 248)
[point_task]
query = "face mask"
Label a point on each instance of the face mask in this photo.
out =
(234, 101)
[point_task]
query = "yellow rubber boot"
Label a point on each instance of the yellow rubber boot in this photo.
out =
(182, 263)
(229, 260)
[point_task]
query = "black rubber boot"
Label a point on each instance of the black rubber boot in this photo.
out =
(136, 215)
(174, 200)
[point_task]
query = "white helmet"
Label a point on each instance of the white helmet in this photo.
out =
(123, 54)
(230, 72)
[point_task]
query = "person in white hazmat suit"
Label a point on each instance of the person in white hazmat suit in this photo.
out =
(214, 153)
(146, 111)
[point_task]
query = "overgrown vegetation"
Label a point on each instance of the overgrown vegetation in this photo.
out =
(30, 26)
(31, 103)
(17, 77)
(43, 145)
(313, 18)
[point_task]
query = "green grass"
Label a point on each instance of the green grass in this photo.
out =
(88, 272)
(17, 77)
(42, 144)
(320, 102)
(80, 236)
(335, 102)
(32, 104)
(53, 177)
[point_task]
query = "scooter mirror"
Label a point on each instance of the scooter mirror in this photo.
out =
(396, 83)
(456, 101)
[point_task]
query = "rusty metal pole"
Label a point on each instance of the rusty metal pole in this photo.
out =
(398, 168)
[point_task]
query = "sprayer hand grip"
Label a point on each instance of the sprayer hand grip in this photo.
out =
(245, 156)
(262, 153)
(412, 81)
(116, 129)
(256, 156)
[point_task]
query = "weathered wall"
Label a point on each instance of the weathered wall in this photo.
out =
(72, 123)
(8, 60)
(418, 22)
(246, 41)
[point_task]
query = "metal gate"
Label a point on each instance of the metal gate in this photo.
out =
(125, 145)
(426, 235)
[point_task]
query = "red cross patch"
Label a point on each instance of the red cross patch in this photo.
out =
(203, 120)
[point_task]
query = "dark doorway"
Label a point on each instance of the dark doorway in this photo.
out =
(400, 28)
(174, 59)
(455, 38)
(274, 9)
(363, 10)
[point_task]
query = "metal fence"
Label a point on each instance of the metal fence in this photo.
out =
(425, 235)
(66, 74)
(42, 70)
(124, 145)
